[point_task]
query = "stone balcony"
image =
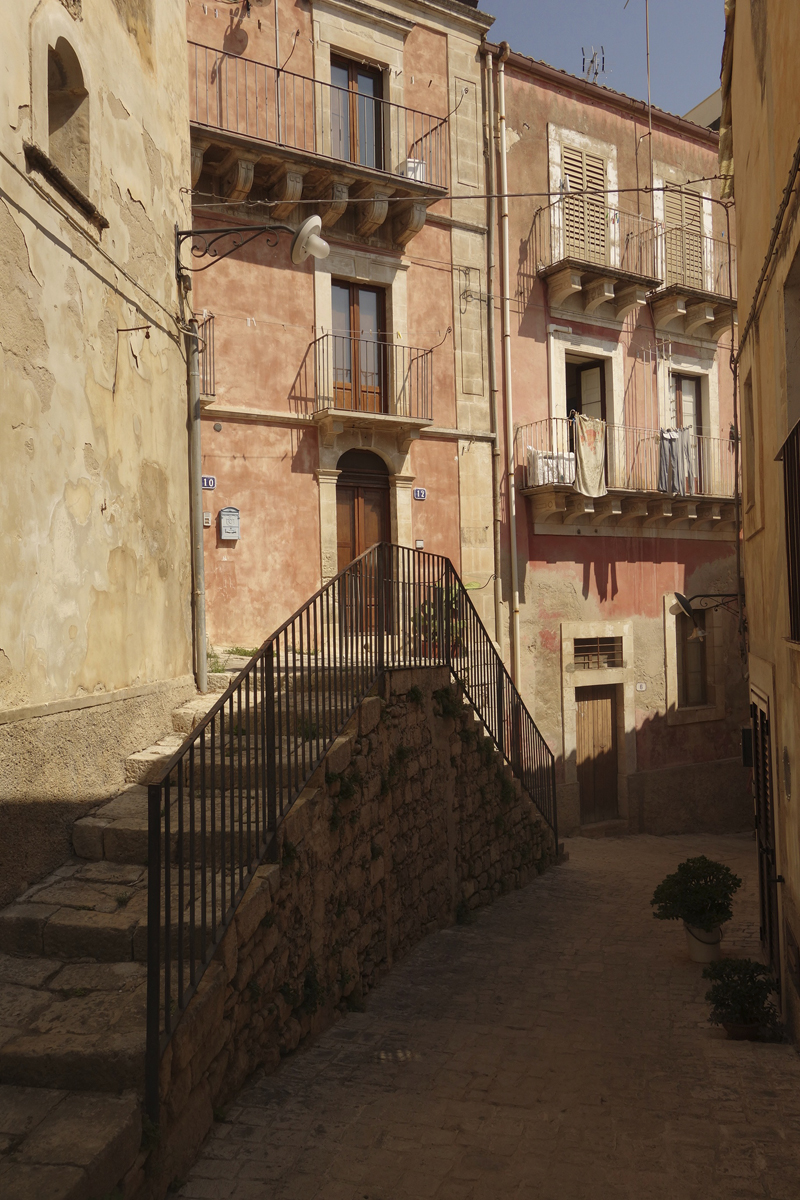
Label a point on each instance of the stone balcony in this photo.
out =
(260, 133)
(645, 488)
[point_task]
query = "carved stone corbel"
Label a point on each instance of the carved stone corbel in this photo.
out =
(562, 284)
(667, 310)
(599, 291)
(629, 299)
(408, 220)
(236, 176)
(372, 209)
(697, 316)
(333, 202)
(199, 147)
(285, 188)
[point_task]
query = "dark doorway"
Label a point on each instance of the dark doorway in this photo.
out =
(586, 387)
(362, 504)
(596, 745)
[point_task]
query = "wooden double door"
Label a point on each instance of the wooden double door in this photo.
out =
(362, 504)
(597, 757)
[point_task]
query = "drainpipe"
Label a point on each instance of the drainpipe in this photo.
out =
(491, 223)
(196, 498)
(505, 51)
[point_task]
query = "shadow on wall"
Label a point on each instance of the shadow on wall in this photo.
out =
(689, 779)
(301, 393)
(35, 838)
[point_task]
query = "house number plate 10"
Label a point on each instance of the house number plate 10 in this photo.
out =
(209, 482)
(420, 494)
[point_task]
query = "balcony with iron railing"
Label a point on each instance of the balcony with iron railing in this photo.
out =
(584, 247)
(654, 477)
(594, 256)
(257, 129)
(698, 274)
(372, 381)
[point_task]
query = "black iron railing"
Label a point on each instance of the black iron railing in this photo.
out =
(254, 100)
(372, 375)
(213, 810)
(207, 356)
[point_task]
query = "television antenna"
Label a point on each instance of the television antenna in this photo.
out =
(594, 65)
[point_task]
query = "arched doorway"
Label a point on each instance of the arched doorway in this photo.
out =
(362, 504)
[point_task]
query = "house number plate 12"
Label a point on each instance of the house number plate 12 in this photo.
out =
(420, 494)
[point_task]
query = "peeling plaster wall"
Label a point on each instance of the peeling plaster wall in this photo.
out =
(681, 773)
(94, 546)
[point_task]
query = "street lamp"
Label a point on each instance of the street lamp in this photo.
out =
(707, 600)
(306, 243)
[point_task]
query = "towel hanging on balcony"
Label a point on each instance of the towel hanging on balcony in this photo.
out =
(590, 456)
(676, 462)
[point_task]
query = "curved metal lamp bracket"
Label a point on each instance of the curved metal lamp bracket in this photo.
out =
(204, 242)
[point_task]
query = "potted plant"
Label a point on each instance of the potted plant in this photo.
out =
(740, 997)
(699, 893)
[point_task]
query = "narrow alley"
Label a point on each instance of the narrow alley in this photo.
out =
(558, 1048)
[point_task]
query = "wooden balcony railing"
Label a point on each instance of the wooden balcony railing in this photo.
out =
(255, 100)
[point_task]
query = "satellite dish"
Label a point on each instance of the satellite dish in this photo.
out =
(307, 242)
(685, 606)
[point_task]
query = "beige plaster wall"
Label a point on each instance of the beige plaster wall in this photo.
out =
(765, 94)
(94, 546)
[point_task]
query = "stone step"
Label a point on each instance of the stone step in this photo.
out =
(117, 831)
(145, 765)
(63, 1145)
(98, 910)
(72, 1024)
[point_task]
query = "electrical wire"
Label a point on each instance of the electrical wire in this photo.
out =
(218, 201)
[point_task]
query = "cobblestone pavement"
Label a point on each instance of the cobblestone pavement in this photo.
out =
(555, 1049)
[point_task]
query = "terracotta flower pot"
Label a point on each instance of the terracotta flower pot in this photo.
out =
(703, 945)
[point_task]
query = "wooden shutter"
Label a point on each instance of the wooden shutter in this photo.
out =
(585, 217)
(683, 217)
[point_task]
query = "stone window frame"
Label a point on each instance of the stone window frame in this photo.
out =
(623, 678)
(715, 667)
(49, 24)
(562, 342)
(378, 270)
(702, 366)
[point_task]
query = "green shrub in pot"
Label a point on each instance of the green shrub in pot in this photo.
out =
(740, 996)
(699, 893)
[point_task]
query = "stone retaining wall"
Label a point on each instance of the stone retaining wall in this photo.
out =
(411, 822)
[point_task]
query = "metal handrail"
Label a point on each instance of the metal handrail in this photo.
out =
(636, 459)
(695, 260)
(207, 356)
(255, 100)
(585, 229)
(372, 375)
(215, 806)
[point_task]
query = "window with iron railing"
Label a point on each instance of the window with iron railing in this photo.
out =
(791, 487)
(597, 653)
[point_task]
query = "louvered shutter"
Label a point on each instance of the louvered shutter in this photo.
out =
(585, 217)
(683, 216)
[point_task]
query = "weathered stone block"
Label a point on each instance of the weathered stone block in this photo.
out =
(87, 838)
(203, 1015)
(339, 755)
(369, 714)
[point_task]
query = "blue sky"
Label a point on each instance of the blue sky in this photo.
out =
(685, 42)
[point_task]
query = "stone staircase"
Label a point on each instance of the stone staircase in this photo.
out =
(72, 1001)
